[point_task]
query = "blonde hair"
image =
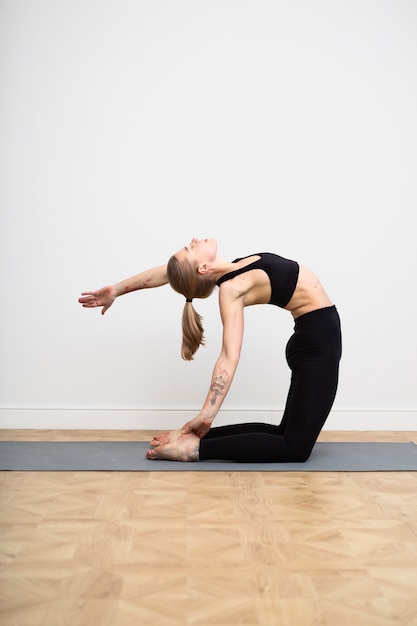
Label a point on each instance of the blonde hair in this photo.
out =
(185, 279)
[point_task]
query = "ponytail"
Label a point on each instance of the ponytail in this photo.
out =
(192, 331)
(186, 280)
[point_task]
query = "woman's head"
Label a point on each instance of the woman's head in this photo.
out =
(185, 278)
(190, 269)
(189, 275)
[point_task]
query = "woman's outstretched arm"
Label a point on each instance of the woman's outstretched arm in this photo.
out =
(105, 296)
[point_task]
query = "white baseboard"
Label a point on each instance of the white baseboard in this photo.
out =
(161, 419)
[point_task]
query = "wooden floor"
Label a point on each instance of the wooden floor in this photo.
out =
(207, 548)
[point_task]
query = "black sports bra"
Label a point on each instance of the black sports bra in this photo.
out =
(282, 274)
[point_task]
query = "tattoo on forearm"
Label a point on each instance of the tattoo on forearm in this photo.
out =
(217, 387)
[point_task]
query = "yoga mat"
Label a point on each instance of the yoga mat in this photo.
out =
(130, 456)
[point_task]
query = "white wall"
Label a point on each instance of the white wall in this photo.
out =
(128, 126)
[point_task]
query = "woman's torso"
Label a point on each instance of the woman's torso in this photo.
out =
(253, 285)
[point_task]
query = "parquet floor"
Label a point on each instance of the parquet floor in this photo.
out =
(207, 548)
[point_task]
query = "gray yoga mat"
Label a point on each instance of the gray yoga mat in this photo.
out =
(130, 456)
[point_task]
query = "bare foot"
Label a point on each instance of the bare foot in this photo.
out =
(184, 448)
(168, 437)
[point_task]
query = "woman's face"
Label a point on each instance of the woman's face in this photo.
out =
(198, 251)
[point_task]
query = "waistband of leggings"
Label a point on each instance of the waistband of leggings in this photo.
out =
(323, 312)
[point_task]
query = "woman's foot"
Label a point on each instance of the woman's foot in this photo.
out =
(184, 448)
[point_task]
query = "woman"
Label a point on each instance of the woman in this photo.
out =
(313, 352)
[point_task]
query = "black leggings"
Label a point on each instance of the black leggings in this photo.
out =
(313, 353)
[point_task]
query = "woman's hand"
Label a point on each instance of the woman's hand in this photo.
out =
(101, 297)
(199, 425)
